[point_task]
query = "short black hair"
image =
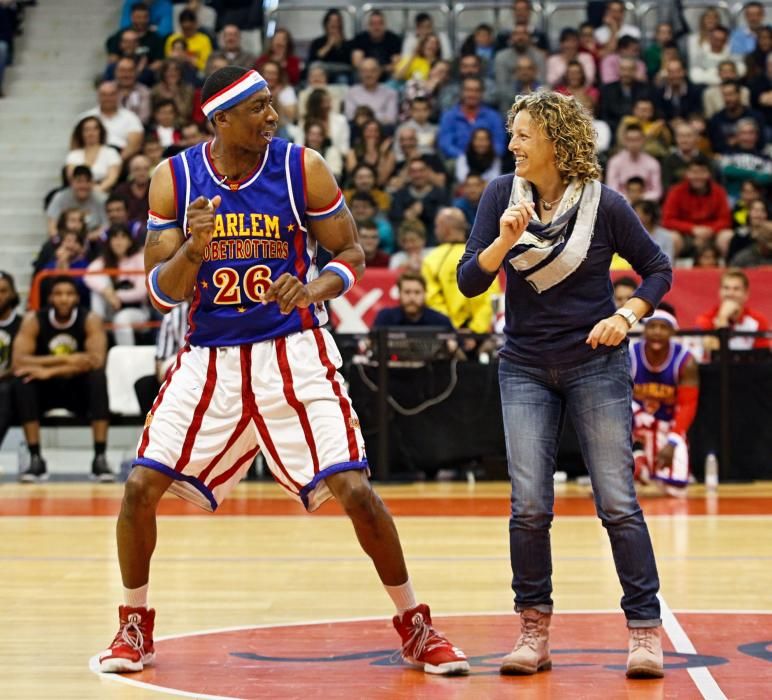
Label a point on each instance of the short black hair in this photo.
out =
(63, 279)
(649, 208)
(164, 102)
(422, 17)
(626, 41)
(117, 198)
(187, 15)
(635, 180)
(701, 160)
(369, 224)
(364, 197)
(626, 282)
(731, 81)
(12, 284)
(568, 33)
(82, 171)
(221, 79)
(139, 6)
(664, 306)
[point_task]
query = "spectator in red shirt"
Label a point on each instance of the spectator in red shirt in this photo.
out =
(697, 210)
(732, 311)
(369, 240)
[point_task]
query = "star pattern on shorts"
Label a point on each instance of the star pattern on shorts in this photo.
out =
(290, 228)
(204, 284)
(241, 309)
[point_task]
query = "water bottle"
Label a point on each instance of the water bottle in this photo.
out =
(711, 472)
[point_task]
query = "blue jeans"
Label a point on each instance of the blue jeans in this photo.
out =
(598, 395)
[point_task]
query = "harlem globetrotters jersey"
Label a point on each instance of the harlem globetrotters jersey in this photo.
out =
(260, 233)
(655, 388)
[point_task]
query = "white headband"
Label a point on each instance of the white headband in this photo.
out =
(238, 91)
(662, 315)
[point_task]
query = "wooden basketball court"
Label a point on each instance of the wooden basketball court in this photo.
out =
(264, 601)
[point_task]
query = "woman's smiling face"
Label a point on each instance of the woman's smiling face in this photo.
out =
(531, 148)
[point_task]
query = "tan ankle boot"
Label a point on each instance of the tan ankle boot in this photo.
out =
(644, 659)
(532, 650)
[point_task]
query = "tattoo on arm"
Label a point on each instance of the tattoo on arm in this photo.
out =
(342, 214)
(153, 238)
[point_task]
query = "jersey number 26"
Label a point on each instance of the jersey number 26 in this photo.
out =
(254, 283)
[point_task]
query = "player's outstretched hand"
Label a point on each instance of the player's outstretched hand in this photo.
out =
(608, 331)
(288, 292)
(201, 221)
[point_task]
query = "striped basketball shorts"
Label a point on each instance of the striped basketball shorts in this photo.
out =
(219, 406)
(653, 435)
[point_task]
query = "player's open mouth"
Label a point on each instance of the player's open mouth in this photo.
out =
(268, 135)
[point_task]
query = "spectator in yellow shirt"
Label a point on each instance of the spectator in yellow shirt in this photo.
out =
(439, 270)
(199, 45)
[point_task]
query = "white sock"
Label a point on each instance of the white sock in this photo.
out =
(136, 597)
(403, 596)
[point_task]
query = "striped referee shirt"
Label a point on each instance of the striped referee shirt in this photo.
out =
(171, 334)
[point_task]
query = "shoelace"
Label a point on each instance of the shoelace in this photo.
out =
(529, 633)
(423, 638)
(642, 637)
(124, 634)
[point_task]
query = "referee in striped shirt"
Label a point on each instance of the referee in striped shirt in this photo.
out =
(171, 337)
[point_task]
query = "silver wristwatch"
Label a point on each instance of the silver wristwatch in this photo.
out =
(628, 315)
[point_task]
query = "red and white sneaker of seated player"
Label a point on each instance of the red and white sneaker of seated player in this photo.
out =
(641, 474)
(424, 646)
(132, 649)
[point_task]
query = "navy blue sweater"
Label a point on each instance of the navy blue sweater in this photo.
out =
(550, 329)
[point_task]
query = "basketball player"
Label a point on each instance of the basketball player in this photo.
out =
(59, 362)
(235, 224)
(665, 393)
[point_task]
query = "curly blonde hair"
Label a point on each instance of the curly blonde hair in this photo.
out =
(568, 125)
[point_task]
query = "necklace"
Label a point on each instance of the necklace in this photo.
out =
(548, 205)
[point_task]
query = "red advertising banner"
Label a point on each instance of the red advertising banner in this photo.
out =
(694, 292)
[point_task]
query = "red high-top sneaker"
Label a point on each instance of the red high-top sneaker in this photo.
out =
(132, 647)
(424, 646)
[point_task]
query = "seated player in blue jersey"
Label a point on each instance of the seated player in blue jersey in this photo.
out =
(665, 393)
(235, 225)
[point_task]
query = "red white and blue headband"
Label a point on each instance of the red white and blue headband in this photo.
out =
(238, 91)
(662, 315)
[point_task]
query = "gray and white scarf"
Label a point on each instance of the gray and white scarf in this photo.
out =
(546, 254)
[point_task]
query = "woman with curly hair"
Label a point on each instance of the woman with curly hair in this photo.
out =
(554, 227)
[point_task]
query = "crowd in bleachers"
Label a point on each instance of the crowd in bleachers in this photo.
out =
(413, 123)
(409, 127)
